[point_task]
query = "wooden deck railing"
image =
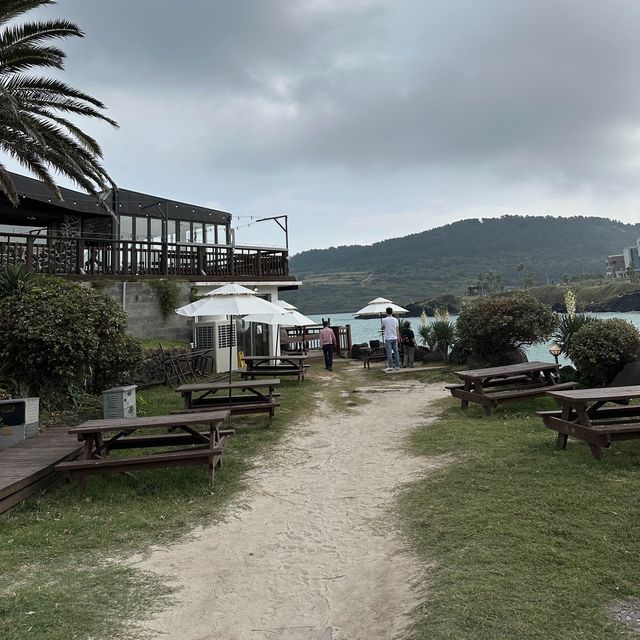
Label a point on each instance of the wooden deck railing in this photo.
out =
(306, 338)
(92, 257)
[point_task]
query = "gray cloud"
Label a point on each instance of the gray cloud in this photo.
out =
(349, 108)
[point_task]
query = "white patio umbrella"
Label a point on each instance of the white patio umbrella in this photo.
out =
(378, 307)
(230, 300)
(286, 318)
(285, 305)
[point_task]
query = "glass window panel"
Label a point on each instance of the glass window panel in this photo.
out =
(210, 233)
(198, 232)
(155, 230)
(185, 231)
(142, 231)
(126, 227)
(172, 226)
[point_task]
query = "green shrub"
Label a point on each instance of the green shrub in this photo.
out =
(601, 348)
(60, 336)
(492, 328)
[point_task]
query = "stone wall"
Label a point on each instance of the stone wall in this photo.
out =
(145, 317)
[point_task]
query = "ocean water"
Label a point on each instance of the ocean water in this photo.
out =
(365, 330)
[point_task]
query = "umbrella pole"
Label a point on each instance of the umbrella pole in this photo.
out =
(230, 354)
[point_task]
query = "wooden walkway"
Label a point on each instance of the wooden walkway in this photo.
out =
(26, 468)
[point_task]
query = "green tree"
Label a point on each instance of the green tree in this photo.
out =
(34, 129)
(631, 273)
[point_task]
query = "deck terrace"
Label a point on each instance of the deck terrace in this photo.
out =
(28, 467)
(87, 258)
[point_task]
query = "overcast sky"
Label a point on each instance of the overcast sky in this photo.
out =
(367, 119)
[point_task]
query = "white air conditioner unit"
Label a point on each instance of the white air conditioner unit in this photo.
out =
(119, 402)
(219, 337)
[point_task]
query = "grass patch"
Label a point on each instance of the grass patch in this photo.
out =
(522, 541)
(55, 582)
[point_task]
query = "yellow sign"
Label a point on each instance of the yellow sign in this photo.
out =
(241, 362)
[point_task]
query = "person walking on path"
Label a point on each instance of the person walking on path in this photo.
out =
(327, 342)
(391, 336)
(408, 339)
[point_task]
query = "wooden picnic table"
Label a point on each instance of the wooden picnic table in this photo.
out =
(584, 416)
(282, 365)
(493, 385)
(238, 396)
(175, 431)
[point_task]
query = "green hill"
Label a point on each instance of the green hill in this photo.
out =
(449, 258)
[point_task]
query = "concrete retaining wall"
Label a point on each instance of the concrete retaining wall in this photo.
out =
(140, 301)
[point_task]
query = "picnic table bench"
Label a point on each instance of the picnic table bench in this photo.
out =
(177, 431)
(584, 417)
(238, 397)
(275, 366)
(493, 385)
(370, 354)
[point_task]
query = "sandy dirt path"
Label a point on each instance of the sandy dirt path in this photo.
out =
(309, 552)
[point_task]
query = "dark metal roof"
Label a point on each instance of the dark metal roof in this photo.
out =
(135, 203)
(129, 202)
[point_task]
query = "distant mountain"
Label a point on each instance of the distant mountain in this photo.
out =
(448, 259)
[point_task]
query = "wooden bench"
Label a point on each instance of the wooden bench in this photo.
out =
(238, 408)
(161, 440)
(490, 401)
(369, 355)
(236, 396)
(490, 386)
(273, 372)
(584, 416)
(149, 461)
(100, 437)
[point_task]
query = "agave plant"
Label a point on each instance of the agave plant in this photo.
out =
(567, 327)
(33, 126)
(16, 280)
(425, 332)
(444, 333)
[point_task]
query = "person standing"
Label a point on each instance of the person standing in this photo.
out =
(327, 342)
(391, 336)
(408, 339)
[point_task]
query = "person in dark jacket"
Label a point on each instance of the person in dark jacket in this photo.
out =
(408, 340)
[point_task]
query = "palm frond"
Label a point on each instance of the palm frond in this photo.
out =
(7, 187)
(10, 9)
(19, 59)
(32, 127)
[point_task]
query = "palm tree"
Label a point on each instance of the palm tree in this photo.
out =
(520, 269)
(491, 281)
(481, 282)
(33, 127)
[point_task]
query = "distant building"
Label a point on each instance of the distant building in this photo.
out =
(619, 265)
(616, 268)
